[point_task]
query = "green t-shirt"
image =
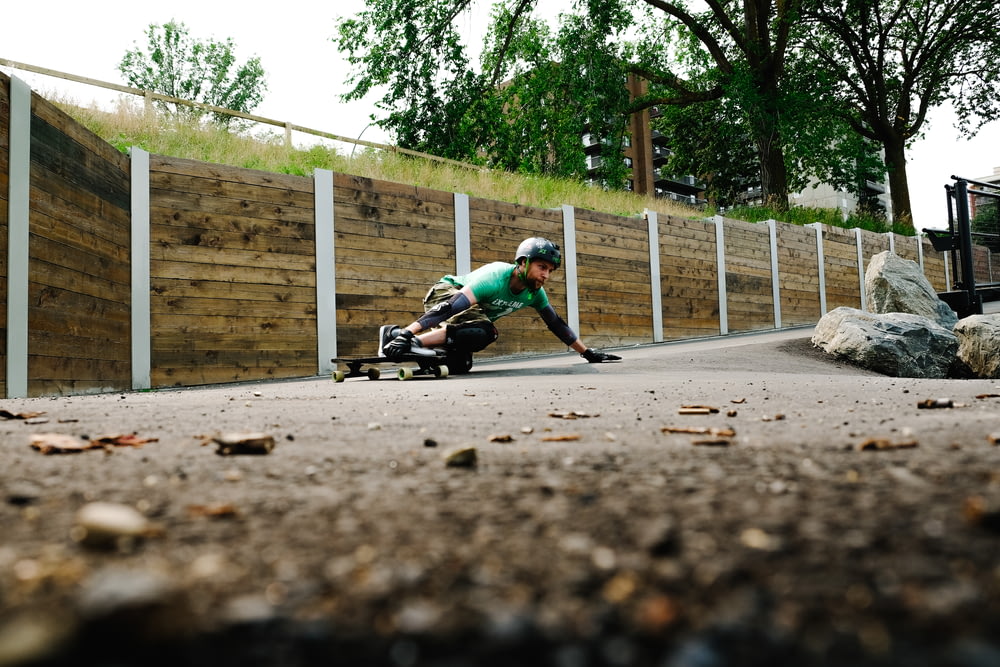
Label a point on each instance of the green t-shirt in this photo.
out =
(491, 286)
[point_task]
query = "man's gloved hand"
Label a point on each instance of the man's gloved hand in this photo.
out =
(598, 357)
(399, 345)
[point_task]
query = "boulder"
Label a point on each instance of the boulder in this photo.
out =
(979, 345)
(897, 285)
(896, 344)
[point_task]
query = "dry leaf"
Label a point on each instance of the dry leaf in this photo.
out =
(561, 438)
(697, 410)
(700, 430)
(874, 444)
(715, 442)
(124, 440)
(6, 414)
(219, 510)
(506, 437)
(988, 396)
(738, 401)
(572, 414)
(58, 443)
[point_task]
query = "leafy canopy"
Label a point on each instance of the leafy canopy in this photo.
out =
(206, 71)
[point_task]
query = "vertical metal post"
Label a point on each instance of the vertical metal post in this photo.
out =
(653, 228)
(772, 229)
(965, 243)
(859, 241)
(720, 262)
(569, 266)
(326, 271)
(463, 235)
(141, 310)
(18, 232)
(820, 266)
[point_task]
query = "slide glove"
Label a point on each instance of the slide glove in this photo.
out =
(598, 357)
(399, 345)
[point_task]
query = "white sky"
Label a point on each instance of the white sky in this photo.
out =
(306, 74)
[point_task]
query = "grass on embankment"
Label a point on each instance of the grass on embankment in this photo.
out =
(128, 126)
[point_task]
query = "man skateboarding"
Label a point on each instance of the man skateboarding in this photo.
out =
(460, 310)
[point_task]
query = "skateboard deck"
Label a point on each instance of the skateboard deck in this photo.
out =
(371, 366)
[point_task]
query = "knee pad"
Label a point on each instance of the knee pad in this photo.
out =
(472, 336)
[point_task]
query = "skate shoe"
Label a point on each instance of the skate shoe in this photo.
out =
(386, 333)
(416, 347)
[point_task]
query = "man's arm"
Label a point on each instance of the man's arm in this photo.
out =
(563, 332)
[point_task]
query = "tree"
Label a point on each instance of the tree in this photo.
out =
(894, 60)
(411, 48)
(201, 71)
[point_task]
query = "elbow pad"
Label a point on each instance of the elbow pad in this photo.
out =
(442, 311)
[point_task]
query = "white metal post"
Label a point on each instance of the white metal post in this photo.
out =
(820, 266)
(326, 274)
(141, 317)
(720, 258)
(463, 235)
(654, 275)
(18, 207)
(569, 266)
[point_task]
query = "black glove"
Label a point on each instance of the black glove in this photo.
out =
(399, 345)
(598, 357)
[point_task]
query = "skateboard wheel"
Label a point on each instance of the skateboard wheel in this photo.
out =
(441, 371)
(338, 376)
(405, 373)
(374, 373)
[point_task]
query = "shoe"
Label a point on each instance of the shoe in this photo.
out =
(416, 347)
(385, 334)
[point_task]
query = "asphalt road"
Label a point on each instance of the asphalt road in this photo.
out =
(738, 500)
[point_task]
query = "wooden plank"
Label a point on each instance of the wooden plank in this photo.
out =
(210, 306)
(180, 288)
(207, 170)
(278, 199)
(225, 273)
(67, 125)
(160, 198)
(59, 158)
(194, 375)
(201, 222)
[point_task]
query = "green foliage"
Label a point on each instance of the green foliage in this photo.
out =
(128, 127)
(888, 62)
(174, 64)
(987, 217)
(805, 215)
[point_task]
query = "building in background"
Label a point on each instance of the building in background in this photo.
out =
(983, 209)
(647, 150)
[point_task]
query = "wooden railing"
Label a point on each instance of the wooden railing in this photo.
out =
(289, 127)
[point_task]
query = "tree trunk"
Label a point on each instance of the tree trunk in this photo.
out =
(773, 177)
(899, 187)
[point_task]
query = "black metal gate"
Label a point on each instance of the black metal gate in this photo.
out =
(973, 219)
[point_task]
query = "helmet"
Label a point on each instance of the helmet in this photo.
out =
(538, 248)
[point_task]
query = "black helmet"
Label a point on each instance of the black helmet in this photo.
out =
(538, 248)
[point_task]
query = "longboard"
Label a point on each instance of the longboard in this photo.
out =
(371, 366)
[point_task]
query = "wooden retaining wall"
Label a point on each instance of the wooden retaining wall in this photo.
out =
(77, 305)
(150, 271)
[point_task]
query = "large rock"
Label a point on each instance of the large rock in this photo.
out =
(979, 345)
(897, 344)
(897, 285)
